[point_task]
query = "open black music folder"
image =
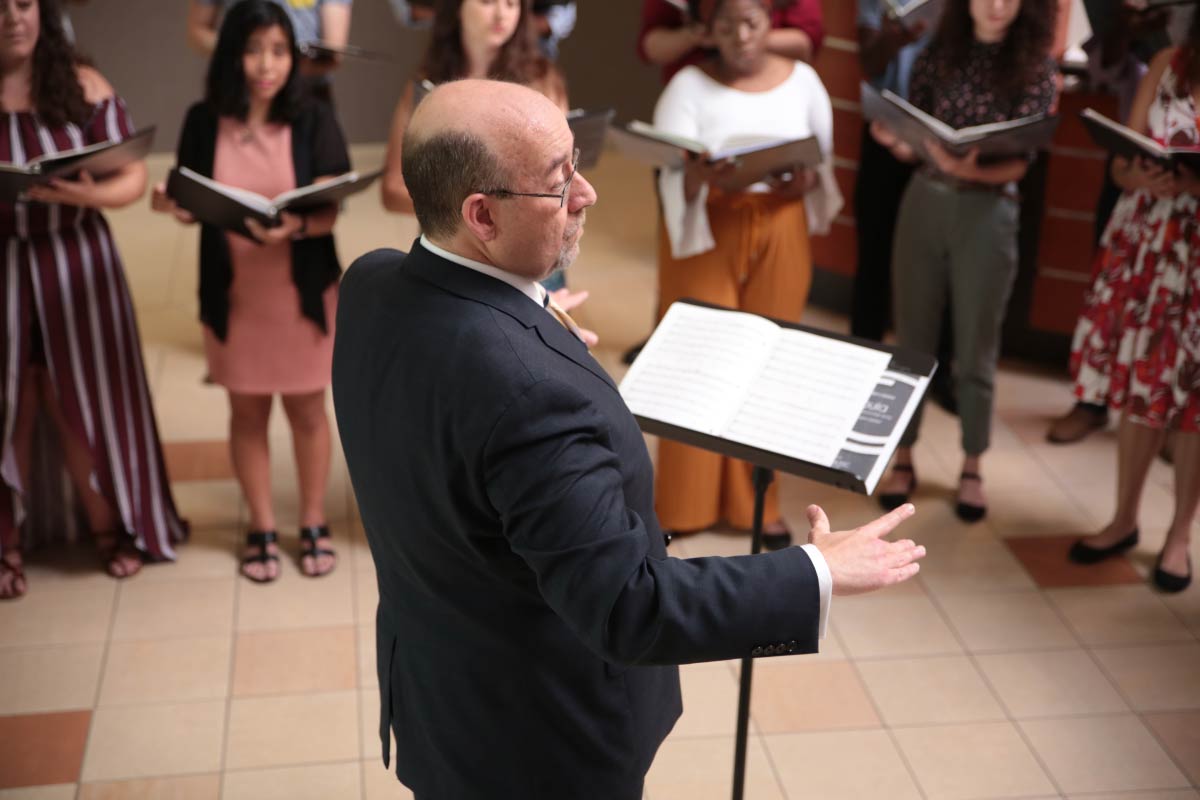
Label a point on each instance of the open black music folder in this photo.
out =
(100, 160)
(779, 395)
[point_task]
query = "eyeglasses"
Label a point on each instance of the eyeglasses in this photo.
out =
(562, 198)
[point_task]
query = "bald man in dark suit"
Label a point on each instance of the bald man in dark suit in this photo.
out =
(530, 620)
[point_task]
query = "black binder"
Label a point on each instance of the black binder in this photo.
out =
(99, 160)
(1123, 141)
(228, 207)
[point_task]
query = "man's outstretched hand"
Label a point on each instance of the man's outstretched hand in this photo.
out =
(860, 560)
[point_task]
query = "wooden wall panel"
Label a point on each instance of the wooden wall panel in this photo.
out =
(1056, 304)
(837, 251)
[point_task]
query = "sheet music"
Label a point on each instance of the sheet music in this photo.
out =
(808, 398)
(695, 370)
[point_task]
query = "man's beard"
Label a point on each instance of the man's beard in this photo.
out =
(570, 248)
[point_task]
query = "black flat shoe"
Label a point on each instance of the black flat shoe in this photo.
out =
(969, 512)
(1081, 553)
(1168, 581)
(894, 500)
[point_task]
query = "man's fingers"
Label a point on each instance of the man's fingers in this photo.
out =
(888, 522)
(817, 520)
(900, 556)
(904, 573)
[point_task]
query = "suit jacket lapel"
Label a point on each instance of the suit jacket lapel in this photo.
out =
(473, 285)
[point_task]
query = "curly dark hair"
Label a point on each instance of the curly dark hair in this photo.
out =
(519, 60)
(55, 91)
(225, 87)
(1023, 53)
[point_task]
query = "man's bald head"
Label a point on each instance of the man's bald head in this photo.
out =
(469, 136)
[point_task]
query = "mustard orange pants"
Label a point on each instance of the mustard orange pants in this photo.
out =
(761, 264)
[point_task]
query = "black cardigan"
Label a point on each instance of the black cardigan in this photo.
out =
(318, 148)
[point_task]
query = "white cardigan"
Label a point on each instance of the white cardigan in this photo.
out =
(699, 107)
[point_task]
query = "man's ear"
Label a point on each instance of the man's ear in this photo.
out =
(477, 217)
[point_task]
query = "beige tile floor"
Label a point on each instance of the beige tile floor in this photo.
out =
(972, 681)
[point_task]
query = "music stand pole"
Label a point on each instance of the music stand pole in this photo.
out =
(762, 478)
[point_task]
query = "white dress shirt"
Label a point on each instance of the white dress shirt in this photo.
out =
(536, 293)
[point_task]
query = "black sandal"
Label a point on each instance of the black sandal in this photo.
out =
(894, 500)
(261, 539)
(17, 571)
(968, 512)
(310, 546)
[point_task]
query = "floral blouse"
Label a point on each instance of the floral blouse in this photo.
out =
(966, 96)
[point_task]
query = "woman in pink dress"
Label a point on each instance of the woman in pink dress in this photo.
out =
(1137, 343)
(268, 303)
(69, 345)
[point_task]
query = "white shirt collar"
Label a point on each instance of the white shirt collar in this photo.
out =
(531, 289)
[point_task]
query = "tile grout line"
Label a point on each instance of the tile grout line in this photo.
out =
(112, 624)
(1012, 721)
(1140, 714)
(888, 730)
(228, 720)
(352, 547)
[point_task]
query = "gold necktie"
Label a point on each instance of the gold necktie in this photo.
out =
(563, 317)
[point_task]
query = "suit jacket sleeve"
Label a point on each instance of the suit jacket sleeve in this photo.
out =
(554, 477)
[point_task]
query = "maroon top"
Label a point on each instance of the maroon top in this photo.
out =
(966, 96)
(804, 15)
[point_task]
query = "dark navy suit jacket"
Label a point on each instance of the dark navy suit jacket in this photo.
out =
(529, 618)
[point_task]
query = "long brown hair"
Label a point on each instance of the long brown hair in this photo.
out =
(519, 59)
(1023, 53)
(55, 92)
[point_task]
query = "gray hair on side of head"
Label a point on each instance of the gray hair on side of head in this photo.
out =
(441, 170)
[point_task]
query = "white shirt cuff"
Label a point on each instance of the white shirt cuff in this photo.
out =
(824, 581)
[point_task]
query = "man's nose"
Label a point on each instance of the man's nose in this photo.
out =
(583, 194)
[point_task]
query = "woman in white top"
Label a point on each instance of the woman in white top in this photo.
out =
(746, 249)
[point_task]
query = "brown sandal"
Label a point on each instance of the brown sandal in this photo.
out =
(17, 573)
(112, 546)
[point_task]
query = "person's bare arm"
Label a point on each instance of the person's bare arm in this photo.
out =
(335, 32)
(117, 190)
(790, 43)
(666, 45)
(395, 193)
(968, 168)
(202, 27)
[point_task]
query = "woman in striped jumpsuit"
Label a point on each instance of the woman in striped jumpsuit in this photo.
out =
(70, 352)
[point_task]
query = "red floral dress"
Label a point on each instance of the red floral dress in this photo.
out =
(1137, 343)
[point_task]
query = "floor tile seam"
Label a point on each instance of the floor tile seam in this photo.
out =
(973, 659)
(1055, 477)
(172, 637)
(100, 676)
(783, 792)
(908, 766)
(1178, 763)
(226, 722)
(358, 659)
